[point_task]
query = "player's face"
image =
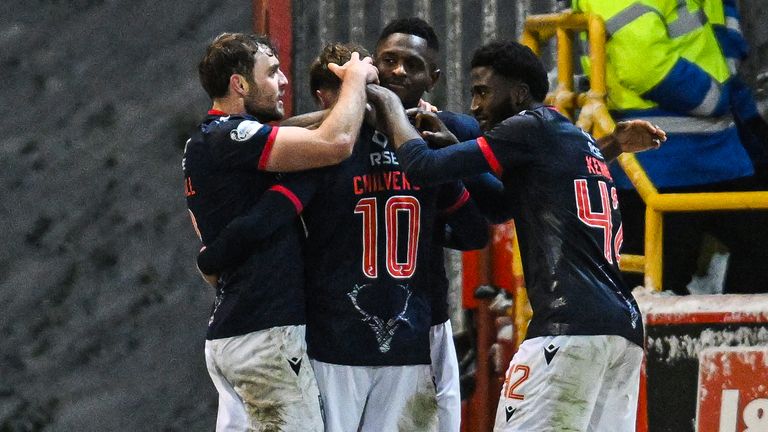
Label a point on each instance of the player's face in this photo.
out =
(492, 97)
(406, 66)
(264, 99)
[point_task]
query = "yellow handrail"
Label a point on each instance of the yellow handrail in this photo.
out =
(595, 118)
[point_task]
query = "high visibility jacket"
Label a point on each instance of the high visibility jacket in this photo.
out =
(724, 17)
(664, 64)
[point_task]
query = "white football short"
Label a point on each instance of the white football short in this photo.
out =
(571, 383)
(265, 381)
(445, 373)
(376, 398)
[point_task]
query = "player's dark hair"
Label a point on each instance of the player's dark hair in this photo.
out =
(228, 54)
(514, 61)
(320, 77)
(412, 26)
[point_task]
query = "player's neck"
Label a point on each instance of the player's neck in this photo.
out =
(533, 105)
(229, 105)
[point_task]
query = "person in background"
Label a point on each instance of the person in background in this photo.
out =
(753, 129)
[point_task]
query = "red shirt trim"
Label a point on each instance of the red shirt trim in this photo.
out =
(290, 195)
(267, 149)
(216, 112)
(489, 156)
(459, 202)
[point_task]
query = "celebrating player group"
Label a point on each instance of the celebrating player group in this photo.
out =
(323, 236)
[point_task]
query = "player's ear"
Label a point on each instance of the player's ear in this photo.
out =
(327, 97)
(239, 84)
(520, 93)
(434, 75)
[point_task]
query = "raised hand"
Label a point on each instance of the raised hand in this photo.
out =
(431, 128)
(382, 98)
(356, 66)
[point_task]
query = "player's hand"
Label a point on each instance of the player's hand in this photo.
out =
(382, 98)
(426, 106)
(638, 135)
(431, 128)
(356, 67)
(212, 280)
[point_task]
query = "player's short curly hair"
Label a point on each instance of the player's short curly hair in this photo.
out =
(514, 61)
(228, 54)
(412, 26)
(320, 77)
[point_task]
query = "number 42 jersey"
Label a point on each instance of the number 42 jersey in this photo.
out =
(560, 192)
(370, 230)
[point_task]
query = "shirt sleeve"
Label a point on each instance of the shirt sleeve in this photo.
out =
(509, 145)
(243, 144)
(461, 126)
(466, 228)
(278, 207)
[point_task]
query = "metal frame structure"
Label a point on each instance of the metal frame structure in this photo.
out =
(594, 117)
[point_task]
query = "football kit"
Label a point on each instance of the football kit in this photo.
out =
(375, 286)
(259, 303)
(559, 190)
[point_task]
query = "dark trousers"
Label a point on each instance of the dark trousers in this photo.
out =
(745, 233)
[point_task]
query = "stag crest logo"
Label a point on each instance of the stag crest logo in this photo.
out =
(384, 330)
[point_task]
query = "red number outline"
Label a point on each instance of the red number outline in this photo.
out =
(410, 205)
(368, 208)
(601, 220)
(510, 393)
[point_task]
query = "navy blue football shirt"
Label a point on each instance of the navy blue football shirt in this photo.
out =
(223, 176)
(560, 192)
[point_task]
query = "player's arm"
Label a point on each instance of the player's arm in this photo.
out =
(465, 226)
(296, 148)
(422, 164)
(276, 208)
(310, 120)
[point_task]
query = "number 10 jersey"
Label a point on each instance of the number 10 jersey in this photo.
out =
(367, 262)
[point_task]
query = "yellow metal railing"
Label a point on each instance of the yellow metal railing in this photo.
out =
(594, 117)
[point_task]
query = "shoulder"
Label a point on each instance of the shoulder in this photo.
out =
(236, 127)
(526, 124)
(463, 126)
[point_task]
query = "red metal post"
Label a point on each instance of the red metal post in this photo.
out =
(642, 401)
(503, 276)
(274, 18)
(476, 272)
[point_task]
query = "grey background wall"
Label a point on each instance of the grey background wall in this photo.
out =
(102, 316)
